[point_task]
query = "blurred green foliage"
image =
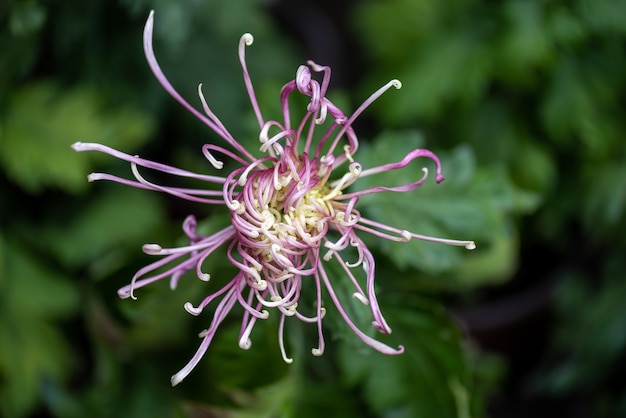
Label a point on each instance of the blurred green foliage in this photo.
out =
(522, 101)
(469, 203)
(60, 117)
(33, 297)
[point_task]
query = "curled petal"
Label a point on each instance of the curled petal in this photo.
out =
(247, 40)
(160, 76)
(225, 305)
(281, 342)
(375, 344)
(395, 166)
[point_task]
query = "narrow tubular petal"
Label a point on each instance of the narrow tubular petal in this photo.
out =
(206, 150)
(375, 344)
(207, 300)
(160, 76)
(416, 153)
(369, 266)
(168, 190)
(222, 310)
(356, 284)
(319, 350)
(404, 235)
(86, 146)
(247, 40)
(348, 124)
(188, 194)
(395, 166)
(208, 245)
(281, 340)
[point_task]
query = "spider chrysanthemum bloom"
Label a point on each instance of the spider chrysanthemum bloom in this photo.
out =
(292, 210)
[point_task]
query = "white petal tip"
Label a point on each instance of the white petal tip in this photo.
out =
(152, 248)
(396, 83)
(361, 298)
(245, 345)
(192, 310)
(176, 379)
(470, 245)
(247, 38)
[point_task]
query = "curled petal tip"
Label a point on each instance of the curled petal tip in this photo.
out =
(360, 298)
(439, 178)
(396, 83)
(127, 291)
(245, 344)
(247, 39)
(125, 294)
(192, 310)
(317, 352)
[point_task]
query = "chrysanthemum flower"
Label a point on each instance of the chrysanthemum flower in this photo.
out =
(292, 210)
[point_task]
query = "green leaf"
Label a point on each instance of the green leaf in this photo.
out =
(446, 70)
(267, 401)
(429, 380)
(603, 16)
(565, 27)
(590, 340)
(525, 45)
(605, 204)
(582, 101)
(390, 28)
(43, 120)
(436, 65)
(472, 204)
(26, 18)
(32, 349)
(106, 232)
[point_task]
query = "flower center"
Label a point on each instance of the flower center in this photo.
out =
(302, 221)
(283, 213)
(284, 209)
